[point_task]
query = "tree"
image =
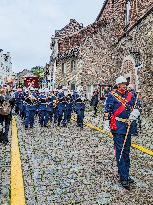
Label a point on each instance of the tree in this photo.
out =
(38, 71)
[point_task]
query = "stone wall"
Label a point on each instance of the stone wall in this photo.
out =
(104, 61)
(105, 52)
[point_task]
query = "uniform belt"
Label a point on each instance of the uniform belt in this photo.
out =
(122, 120)
(44, 103)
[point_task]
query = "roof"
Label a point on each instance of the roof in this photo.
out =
(72, 26)
(103, 7)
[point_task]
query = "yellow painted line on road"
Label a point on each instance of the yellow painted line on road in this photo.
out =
(136, 146)
(17, 185)
(143, 149)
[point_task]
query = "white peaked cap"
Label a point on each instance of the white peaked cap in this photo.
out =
(121, 79)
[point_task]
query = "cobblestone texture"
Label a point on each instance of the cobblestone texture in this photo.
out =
(71, 166)
(145, 134)
(5, 173)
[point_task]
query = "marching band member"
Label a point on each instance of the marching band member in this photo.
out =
(30, 108)
(119, 106)
(43, 113)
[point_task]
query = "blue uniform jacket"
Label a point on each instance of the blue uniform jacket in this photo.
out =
(75, 95)
(19, 97)
(50, 103)
(60, 95)
(112, 104)
(42, 99)
(31, 105)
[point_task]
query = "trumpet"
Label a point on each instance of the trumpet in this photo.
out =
(55, 102)
(31, 97)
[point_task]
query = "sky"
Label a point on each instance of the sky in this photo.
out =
(26, 26)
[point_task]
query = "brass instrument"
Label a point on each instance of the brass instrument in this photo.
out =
(31, 97)
(55, 103)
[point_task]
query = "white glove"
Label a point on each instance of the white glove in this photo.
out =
(1, 128)
(134, 115)
(106, 125)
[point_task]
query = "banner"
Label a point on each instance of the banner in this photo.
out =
(31, 82)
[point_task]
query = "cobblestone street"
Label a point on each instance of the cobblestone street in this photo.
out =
(76, 102)
(71, 166)
(5, 168)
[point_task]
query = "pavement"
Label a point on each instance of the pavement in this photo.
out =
(68, 166)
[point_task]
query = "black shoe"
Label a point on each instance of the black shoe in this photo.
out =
(45, 125)
(5, 142)
(130, 180)
(26, 128)
(125, 184)
(31, 126)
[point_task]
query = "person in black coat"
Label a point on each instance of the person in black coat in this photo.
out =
(94, 102)
(6, 104)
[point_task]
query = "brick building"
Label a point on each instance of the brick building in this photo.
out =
(120, 41)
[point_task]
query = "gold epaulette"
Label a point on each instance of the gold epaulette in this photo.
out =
(119, 98)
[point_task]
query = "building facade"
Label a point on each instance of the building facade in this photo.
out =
(5, 67)
(21, 76)
(119, 42)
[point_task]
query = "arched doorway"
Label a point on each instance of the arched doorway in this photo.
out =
(129, 71)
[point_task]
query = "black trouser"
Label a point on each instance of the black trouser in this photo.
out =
(5, 123)
(95, 109)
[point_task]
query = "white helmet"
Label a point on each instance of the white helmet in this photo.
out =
(41, 90)
(32, 89)
(121, 79)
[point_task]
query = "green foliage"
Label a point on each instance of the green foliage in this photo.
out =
(38, 71)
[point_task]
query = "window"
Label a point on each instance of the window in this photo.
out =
(128, 12)
(63, 68)
(73, 65)
(88, 94)
(73, 86)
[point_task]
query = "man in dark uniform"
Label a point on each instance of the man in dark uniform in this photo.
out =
(19, 96)
(6, 105)
(94, 102)
(79, 109)
(31, 103)
(62, 108)
(69, 107)
(50, 109)
(43, 113)
(118, 108)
